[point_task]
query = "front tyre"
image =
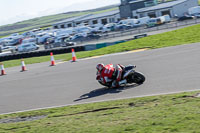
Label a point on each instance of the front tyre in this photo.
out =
(138, 78)
(109, 85)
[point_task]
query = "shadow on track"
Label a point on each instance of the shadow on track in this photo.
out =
(103, 91)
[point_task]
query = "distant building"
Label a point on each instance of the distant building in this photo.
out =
(67, 23)
(90, 19)
(151, 8)
(131, 9)
(102, 18)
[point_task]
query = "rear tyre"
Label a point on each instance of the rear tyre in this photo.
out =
(138, 78)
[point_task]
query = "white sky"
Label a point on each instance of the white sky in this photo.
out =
(17, 10)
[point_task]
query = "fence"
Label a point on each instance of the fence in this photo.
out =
(144, 29)
(40, 53)
(135, 31)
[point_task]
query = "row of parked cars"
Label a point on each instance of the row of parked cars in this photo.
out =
(193, 12)
(51, 38)
(20, 48)
(187, 17)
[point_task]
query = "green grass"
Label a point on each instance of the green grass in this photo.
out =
(177, 37)
(157, 114)
(27, 25)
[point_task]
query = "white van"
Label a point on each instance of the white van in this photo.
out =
(27, 47)
(194, 10)
(165, 19)
(131, 22)
(143, 20)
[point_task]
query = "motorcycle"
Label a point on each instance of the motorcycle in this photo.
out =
(129, 74)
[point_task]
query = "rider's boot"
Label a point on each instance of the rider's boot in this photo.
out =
(123, 82)
(115, 84)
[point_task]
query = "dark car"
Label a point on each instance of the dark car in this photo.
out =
(185, 18)
(77, 38)
(93, 36)
(197, 15)
(66, 44)
(124, 27)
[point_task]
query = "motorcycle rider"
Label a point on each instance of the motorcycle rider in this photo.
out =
(109, 73)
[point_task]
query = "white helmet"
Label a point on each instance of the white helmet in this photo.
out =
(100, 66)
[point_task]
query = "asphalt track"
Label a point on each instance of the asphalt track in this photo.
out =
(167, 70)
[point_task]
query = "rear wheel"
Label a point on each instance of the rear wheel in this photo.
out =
(138, 78)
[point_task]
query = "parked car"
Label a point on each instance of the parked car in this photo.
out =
(66, 44)
(154, 22)
(104, 29)
(96, 28)
(27, 40)
(41, 38)
(186, 17)
(27, 47)
(7, 48)
(111, 26)
(124, 27)
(83, 29)
(165, 19)
(93, 36)
(11, 41)
(197, 15)
(50, 43)
(194, 10)
(77, 37)
(143, 20)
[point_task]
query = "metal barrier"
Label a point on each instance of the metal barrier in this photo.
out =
(41, 53)
(144, 29)
(90, 47)
(108, 35)
(140, 36)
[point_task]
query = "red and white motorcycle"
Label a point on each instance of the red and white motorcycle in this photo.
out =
(129, 74)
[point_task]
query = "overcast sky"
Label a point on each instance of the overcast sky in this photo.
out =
(12, 11)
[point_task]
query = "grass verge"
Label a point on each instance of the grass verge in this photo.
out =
(157, 114)
(186, 35)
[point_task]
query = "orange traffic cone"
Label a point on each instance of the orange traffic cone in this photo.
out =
(73, 56)
(23, 66)
(2, 69)
(52, 60)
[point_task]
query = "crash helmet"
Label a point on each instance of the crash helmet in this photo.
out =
(99, 66)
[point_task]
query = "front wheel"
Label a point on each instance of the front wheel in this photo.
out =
(109, 85)
(138, 78)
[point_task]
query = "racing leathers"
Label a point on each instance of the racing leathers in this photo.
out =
(112, 75)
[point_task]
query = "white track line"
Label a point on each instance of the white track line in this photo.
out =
(94, 57)
(122, 53)
(100, 101)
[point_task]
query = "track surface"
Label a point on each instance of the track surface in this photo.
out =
(167, 70)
